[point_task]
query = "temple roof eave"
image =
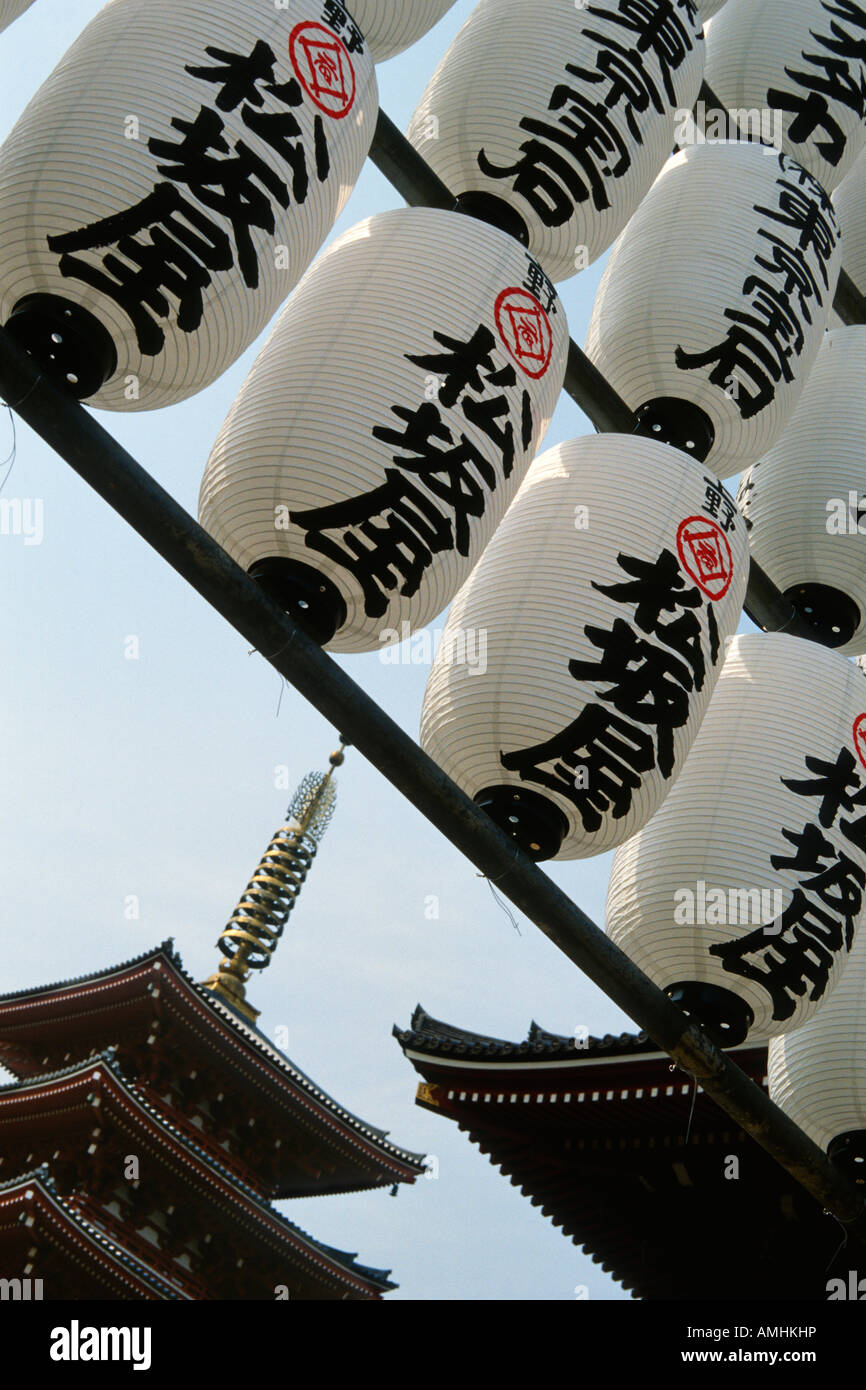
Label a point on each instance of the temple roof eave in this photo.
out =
(442, 1043)
(399, 1164)
(434, 1037)
(262, 1220)
(37, 1186)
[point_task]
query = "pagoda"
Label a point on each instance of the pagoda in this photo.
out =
(631, 1160)
(151, 1123)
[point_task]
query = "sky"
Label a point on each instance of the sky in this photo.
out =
(157, 780)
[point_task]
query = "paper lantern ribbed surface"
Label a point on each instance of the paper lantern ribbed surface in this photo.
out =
(709, 7)
(390, 26)
(806, 60)
(818, 1073)
(11, 9)
(806, 498)
(602, 602)
(565, 114)
(388, 422)
(169, 184)
(849, 200)
(713, 304)
(747, 887)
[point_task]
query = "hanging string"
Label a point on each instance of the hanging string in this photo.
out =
(254, 651)
(10, 458)
(840, 1250)
(839, 1222)
(841, 1247)
(501, 903)
(283, 687)
(692, 1111)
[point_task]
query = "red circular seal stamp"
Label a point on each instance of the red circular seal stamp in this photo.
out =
(860, 737)
(706, 555)
(525, 330)
(323, 67)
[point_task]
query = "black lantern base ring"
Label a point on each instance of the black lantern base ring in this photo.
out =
(722, 1014)
(833, 614)
(312, 599)
(486, 207)
(679, 423)
(848, 1152)
(536, 825)
(70, 344)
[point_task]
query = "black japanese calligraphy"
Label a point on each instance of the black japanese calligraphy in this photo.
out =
(338, 19)
(838, 784)
(766, 337)
(213, 195)
(819, 923)
(540, 285)
(834, 75)
(573, 157)
(614, 753)
(745, 496)
(720, 505)
(441, 480)
(628, 730)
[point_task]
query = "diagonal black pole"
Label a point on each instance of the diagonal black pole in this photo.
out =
(848, 302)
(158, 519)
(420, 186)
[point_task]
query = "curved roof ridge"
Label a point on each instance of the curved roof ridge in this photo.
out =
(434, 1035)
(166, 948)
(43, 1172)
(248, 1033)
(263, 1043)
(378, 1276)
(424, 1025)
(43, 1177)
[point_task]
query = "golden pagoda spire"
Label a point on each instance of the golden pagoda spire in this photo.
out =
(257, 923)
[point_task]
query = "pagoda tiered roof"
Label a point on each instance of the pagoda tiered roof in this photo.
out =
(630, 1159)
(312, 1144)
(83, 1255)
(60, 1113)
(147, 1132)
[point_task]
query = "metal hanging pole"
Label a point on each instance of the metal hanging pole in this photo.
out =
(154, 514)
(848, 301)
(417, 183)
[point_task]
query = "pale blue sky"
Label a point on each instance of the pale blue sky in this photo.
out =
(156, 778)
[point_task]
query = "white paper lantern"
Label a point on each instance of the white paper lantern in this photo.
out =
(169, 184)
(744, 892)
(849, 200)
(601, 606)
(713, 304)
(390, 26)
(806, 498)
(818, 1073)
(388, 423)
(806, 60)
(554, 118)
(11, 9)
(709, 7)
